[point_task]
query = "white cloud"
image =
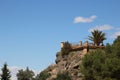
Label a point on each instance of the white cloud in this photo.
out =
(14, 71)
(115, 34)
(80, 19)
(101, 28)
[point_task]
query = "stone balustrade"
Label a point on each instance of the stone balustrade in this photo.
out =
(83, 46)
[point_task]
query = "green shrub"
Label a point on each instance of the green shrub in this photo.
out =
(66, 48)
(62, 76)
(42, 76)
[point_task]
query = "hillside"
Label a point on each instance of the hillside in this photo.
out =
(95, 62)
(69, 63)
(68, 60)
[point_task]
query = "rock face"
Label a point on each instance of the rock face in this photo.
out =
(69, 63)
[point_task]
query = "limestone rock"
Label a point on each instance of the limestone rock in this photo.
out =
(69, 63)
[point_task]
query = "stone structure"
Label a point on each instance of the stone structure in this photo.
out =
(85, 47)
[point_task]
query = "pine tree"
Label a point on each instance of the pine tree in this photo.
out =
(5, 73)
(25, 74)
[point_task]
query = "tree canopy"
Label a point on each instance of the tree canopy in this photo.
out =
(97, 37)
(42, 75)
(103, 64)
(5, 73)
(25, 74)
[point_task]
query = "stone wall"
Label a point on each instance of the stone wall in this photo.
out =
(83, 46)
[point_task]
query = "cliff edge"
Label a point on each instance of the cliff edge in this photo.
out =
(68, 63)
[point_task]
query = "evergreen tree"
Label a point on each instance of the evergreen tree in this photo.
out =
(103, 64)
(5, 73)
(116, 47)
(92, 65)
(25, 74)
(117, 40)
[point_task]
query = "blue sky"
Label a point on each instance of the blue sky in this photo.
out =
(31, 30)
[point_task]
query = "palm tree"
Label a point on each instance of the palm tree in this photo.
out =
(97, 37)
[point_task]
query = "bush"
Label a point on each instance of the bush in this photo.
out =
(42, 76)
(62, 76)
(66, 48)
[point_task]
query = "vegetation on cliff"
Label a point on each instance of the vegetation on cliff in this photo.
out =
(65, 49)
(42, 76)
(61, 76)
(102, 64)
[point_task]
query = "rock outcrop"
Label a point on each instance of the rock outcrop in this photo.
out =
(69, 63)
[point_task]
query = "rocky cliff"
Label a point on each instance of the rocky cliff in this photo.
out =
(68, 63)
